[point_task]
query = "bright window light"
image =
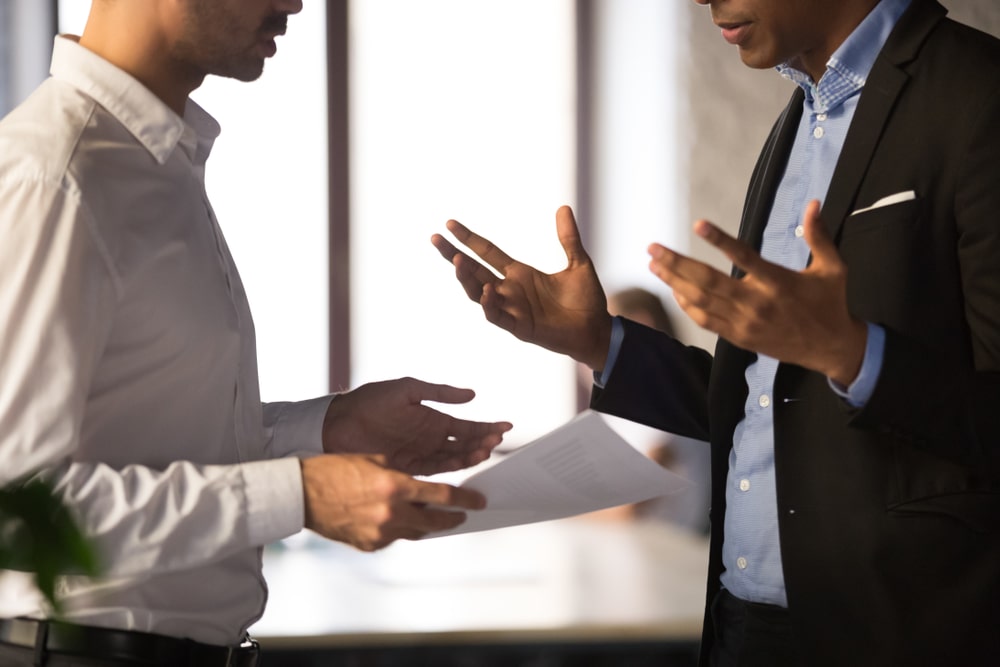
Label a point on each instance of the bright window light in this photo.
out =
(460, 110)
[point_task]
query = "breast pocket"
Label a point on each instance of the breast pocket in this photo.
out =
(886, 266)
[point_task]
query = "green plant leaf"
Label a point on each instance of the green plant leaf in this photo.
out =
(39, 534)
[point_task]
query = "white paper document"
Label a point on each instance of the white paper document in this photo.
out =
(582, 466)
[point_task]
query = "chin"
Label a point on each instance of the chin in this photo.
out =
(249, 71)
(757, 60)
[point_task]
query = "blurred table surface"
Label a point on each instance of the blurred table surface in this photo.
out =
(579, 579)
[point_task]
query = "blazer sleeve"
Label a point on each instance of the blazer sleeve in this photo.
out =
(659, 382)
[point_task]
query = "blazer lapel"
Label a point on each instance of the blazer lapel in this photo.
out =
(877, 99)
(768, 172)
(885, 82)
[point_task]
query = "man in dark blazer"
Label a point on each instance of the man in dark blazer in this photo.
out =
(886, 498)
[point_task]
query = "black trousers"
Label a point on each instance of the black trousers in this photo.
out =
(749, 634)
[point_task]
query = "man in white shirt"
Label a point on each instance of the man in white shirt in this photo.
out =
(129, 364)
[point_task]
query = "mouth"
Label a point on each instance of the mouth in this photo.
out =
(273, 27)
(267, 43)
(271, 35)
(734, 32)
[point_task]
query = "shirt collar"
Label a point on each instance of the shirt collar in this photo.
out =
(155, 125)
(849, 66)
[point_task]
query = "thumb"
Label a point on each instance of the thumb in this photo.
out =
(569, 237)
(824, 252)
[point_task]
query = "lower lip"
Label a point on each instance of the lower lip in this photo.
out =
(737, 34)
(269, 48)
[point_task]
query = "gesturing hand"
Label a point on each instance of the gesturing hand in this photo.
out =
(390, 419)
(357, 500)
(799, 317)
(565, 312)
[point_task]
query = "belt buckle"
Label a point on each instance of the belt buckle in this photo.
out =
(248, 643)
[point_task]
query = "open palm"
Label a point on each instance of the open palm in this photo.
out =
(390, 418)
(566, 312)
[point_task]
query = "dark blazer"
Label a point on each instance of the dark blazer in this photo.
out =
(889, 515)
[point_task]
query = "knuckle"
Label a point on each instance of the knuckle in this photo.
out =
(698, 299)
(382, 515)
(700, 318)
(386, 486)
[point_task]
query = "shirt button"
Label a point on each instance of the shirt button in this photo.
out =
(800, 231)
(764, 400)
(821, 117)
(744, 485)
(741, 563)
(818, 133)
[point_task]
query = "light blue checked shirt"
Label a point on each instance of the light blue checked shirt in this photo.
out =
(751, 551)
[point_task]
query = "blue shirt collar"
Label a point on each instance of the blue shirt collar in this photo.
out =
(848, 67)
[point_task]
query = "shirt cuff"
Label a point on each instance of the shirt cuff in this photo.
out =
(274, 501)
(296, 428)
(617, 336)
(863, 387)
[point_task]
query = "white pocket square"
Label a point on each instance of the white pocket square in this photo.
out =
(889, 201)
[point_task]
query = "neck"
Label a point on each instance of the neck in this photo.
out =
(843, 16)
(129, 36)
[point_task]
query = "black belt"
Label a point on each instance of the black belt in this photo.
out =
(66, 639)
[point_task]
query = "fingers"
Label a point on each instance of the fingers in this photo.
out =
(442, 495)
(424, 507)
(445, 247)
(569, 236)
(712, 299)
(824, 251)
(739, 253)
(455, 429)
(743, 256)
(461, 443)
(707, 313)
(693, 281)
(484, 248)
(797, 316)
(566, 230)
(492, 303)
(356, 500)
(438, 393)
(471, 274)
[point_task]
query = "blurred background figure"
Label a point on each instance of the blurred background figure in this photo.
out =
(687, 457)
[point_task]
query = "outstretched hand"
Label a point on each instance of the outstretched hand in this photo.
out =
(566, 312)
(800, 317)
(389, 418)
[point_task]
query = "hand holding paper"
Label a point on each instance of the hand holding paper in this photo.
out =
(580, 467)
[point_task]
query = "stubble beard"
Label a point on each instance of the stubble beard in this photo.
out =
(214, 42)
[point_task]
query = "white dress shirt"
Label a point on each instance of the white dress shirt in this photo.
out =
(128, 360)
